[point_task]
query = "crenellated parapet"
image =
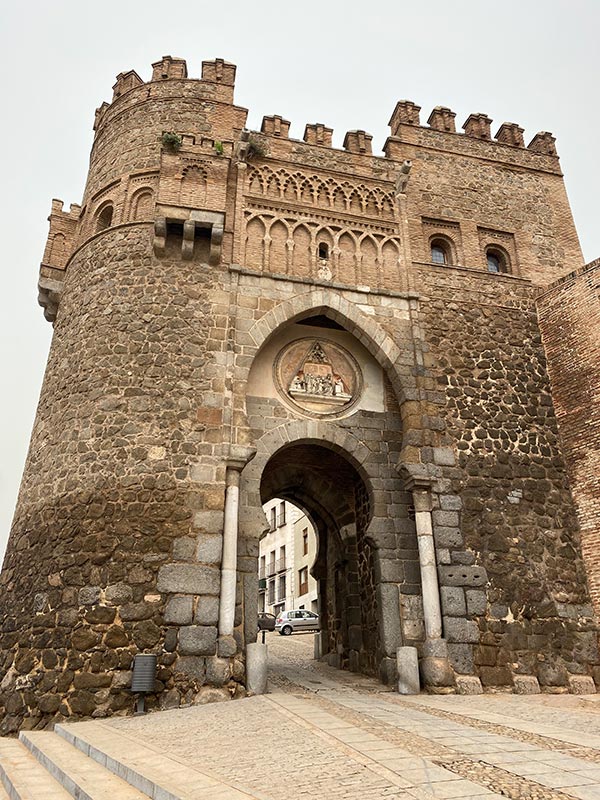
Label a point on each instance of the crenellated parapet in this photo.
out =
(59, 247)
(173, 153)
(476, 126)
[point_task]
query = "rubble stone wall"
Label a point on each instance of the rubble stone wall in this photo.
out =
(513, 505)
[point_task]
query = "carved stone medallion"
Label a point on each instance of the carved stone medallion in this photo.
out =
(318, 376)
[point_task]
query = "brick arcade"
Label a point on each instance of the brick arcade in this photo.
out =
(380, 340)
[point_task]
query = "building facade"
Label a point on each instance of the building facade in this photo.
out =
(241, 316)
(287, 552)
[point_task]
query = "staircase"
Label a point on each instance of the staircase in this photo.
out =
(92, 761)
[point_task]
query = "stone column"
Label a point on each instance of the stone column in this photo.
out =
(434, 665)
(235, 465)
(429, 579)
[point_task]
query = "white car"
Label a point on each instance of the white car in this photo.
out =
(295, 621)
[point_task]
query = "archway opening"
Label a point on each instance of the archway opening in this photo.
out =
(335, 499)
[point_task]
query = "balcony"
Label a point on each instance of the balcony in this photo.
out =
(280, 565)
(271, 568)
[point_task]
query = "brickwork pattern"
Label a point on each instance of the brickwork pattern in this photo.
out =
(569, 314)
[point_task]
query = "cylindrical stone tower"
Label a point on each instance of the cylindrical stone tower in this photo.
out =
(113, 488)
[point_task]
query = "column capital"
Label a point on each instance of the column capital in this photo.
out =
(239, 456)
(418, 483)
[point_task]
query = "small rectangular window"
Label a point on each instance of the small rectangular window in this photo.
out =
(303, 581)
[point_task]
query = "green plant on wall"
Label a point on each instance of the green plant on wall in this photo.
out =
(219, 149)
(171, 140)
(256, 146)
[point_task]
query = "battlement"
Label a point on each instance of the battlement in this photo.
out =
(406, 129)
(168, 148)
(219, 71)
(275, 126)
(476, 126)
(318, 133)
(169, 68)
(125, 82)
(219, 75)
(58, 209)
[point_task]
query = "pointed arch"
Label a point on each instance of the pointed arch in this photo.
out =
(254, 244)
(365, 329)
(302, 256)
(369, 252)
(256, 181)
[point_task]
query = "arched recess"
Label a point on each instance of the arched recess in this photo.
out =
(255, 240)
(142, 204)
(331, 304)
(279, 234)
(103, 217)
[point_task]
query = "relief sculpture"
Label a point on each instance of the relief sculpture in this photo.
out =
(318, 376)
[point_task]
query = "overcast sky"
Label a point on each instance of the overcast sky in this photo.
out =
(341, 63)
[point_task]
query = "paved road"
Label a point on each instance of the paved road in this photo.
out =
(323, 734)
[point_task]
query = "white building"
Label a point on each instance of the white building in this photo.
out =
(286, 555)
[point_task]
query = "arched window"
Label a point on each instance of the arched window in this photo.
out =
(104, 218)
(440, 250)
(323, 251)
(496, 259)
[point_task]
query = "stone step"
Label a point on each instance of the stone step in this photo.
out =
(81, 776)
(147, 769)
(23, 777)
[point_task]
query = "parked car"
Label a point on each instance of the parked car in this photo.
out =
(295, 621)
(266, 622)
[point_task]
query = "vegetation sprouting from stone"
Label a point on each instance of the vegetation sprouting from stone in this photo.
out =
(171, 140)
(256, 146)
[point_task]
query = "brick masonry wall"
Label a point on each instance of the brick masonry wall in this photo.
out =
(569, 314)
(498, 188)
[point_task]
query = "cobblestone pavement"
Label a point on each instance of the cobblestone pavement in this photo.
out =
(321, 733)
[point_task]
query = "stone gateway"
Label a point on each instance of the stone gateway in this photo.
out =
(240, 316)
